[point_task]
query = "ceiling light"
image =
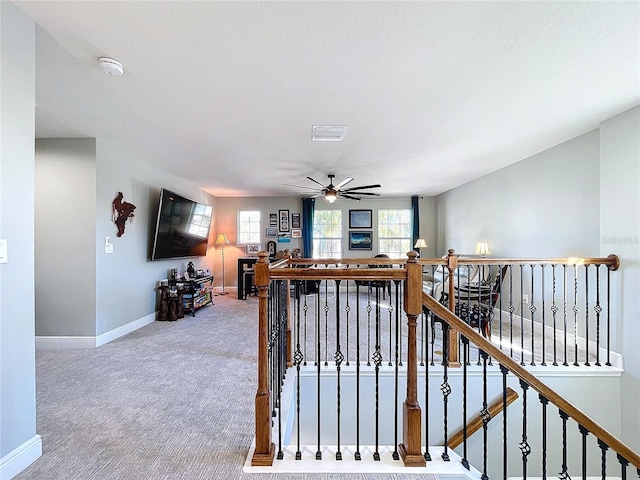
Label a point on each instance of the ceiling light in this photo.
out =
(331, 133)
(330, 196)
(111, 66)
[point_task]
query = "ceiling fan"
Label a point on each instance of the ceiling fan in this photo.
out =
(331, 191)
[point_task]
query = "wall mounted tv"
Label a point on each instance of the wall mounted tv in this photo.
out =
(182, 228)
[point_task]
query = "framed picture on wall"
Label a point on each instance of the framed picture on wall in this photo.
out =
(273, 219)
(296, 233)
(360, 240)
(272, 231)
(253, 249)
(360, 219)
(295, 220)
(283, 219)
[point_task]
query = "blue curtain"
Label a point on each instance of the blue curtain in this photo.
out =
(308, 209)
(416, 221)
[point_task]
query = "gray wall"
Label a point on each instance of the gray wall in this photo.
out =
(543, 206)
(65, 255)
(619, 234)
(110, 290)
(580, 198)
(17, 355)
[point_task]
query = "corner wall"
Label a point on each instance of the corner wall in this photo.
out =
(19, 443)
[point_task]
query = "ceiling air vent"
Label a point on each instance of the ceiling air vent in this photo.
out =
(333, 133)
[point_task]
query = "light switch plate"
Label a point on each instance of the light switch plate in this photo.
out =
(4, 254)
(108, 248)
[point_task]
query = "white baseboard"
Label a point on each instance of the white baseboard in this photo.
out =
(20, 458)
(92, 342)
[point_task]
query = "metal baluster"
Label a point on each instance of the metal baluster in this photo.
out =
(396, 456)
(554, 310)
(576, 309)
(390, 310)
(485, 415)
(609, 322)
(357, 455)
(445, 388)
(584, 432)
(624, 463)
(521, 315)
(397, 285)
(586, 313)
(368, 327)
(564, 474)
(326, 323)
(511, 310)
(305, 309)
(603, 448)
(544, 402)
(524, 445)
(500, 301)
(427, 455)
(544, 323)
(465, 363)
(564, 313)
(280, 377)
(347, 309)
(338, 357)
(377, 360)
(598, 310)
(318, 451)
(297, 360)
(532, 309)
(504, 372)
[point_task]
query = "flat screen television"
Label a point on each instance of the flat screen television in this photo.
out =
(182, 228)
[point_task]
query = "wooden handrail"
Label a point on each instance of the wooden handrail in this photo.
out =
(572, 411)
(612, 261)
(476, 423)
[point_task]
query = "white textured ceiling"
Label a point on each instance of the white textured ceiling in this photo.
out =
(434, 94)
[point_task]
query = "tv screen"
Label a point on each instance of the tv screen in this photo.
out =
(182, 228)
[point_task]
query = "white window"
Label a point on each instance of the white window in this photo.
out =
(327, 234)
(248, 226)
(394, 232)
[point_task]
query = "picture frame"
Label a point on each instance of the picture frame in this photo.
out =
(360, 219)
(272, 231)
(296, 233)
(271, 248)
(295, 220)
(253, 249)
(273, 219)
(361, 240)
(283, 221)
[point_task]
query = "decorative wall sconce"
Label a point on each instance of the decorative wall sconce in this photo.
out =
(121, 212)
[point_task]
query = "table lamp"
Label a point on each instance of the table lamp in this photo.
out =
(483, 249)
(420, 244)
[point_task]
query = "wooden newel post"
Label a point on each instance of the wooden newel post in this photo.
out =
(265, 449)
(411, 446)
(453, 357)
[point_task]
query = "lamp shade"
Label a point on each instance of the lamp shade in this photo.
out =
(330, 196)
(420, 243)
(482, 248)
(222, 239)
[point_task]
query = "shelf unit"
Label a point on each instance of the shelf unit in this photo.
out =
(196, 293)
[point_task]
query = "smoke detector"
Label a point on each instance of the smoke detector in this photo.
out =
(111, 66)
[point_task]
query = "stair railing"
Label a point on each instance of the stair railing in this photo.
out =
(568, 412)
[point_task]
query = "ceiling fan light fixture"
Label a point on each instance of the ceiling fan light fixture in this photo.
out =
(330, 196)
(328, 133)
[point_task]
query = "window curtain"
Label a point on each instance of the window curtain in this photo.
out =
(415, 209)
(308, 209)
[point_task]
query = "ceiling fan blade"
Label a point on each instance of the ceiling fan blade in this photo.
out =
(315, 181)
(359, 188)
(343, 183)
(344, 195)
(363, 193)
(300, 186)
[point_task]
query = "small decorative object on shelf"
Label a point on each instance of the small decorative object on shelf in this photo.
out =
(193, 292)
(191, 270)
